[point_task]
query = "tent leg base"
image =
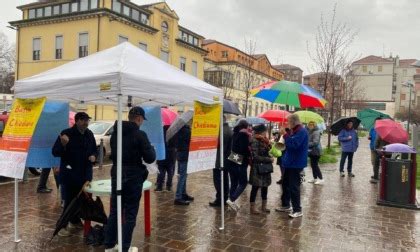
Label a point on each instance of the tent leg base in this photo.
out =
(17, 241)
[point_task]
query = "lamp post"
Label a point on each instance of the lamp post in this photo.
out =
(410, 88)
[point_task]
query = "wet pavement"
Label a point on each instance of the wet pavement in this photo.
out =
(341, 215)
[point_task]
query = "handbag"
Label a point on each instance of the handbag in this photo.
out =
(264, 168)
(93, 210)
(236, 158)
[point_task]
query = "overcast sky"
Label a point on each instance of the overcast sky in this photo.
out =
(282, 27)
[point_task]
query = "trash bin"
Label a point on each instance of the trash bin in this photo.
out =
(398, 177)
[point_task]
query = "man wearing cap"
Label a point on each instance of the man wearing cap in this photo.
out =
(135, 148)
(76, 146)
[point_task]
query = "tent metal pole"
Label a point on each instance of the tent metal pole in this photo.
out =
(119, 172)
(222, 184)
(16, 211)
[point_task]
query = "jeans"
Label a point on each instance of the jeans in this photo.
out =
(42, 183)
(181, 188)
(345, 155)
(291, 189)
(254, 191)
(316, 171)
(132, 186)
(238, 180)
(376, 166)
(70, 191)
(217, 181)
(168, 168)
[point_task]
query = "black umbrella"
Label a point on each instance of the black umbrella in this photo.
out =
(341, 123)
(229, 107)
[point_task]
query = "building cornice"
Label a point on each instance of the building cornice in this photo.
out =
(114, 16)
(191, 47)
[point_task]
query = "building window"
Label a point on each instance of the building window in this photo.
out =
(39, 12)
(144, 18)
(402, 97)
(379, 68)
(256, 108)
(364, 69)
(84, 5)
(83, 45)
(164, 26)
(182, 63)
(135, 14)
(143, 46)
(93, 4)
(405, 72)
(74, 7)
(194, 67)
(224, 54)
(195, 42)
(126, 10)
(56, 10)
(116, 6)
(36, 49)
(122, 39)
(164, 56)
(59, 47)
(47, 11)
(65, 8)
(31, 13)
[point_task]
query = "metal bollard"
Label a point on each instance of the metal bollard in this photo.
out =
(101, 154)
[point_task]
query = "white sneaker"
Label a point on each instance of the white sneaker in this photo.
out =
(295, 214)
(319, 182)
(312, 181)
(284, 209)
(64, 232)
(133, 249)
(237, 205)
(114, 249)
(232, 205)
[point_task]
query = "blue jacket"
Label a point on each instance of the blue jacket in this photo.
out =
(372, 138)
(296, 155)
(348, 145)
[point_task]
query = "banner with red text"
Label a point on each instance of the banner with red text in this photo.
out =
(16, 139)
(204, 137)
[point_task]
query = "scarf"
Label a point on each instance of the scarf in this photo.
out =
(264, 140)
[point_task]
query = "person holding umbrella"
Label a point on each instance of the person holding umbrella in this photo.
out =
(349, 143)
(315, 153)
(166, 166)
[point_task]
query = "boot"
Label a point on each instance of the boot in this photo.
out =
(264, 208)
(253, 209)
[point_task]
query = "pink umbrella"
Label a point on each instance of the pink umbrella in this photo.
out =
(71, 118)
(168, 116)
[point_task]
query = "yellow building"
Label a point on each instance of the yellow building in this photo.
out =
(54, 32)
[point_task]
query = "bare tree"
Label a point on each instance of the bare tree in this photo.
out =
(7, 64)
(331, 50)
(250, 76)
(353, 92)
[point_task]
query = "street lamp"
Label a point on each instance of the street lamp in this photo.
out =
(410, 87)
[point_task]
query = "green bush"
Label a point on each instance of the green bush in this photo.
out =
(361, 133)
(333, 151)
(328, 159)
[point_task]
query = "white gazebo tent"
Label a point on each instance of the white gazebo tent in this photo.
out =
(109, 76)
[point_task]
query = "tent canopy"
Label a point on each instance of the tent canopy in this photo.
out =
(121, 70)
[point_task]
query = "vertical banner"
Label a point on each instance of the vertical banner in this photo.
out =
(54, 118)
(14, 144)
(204, 137)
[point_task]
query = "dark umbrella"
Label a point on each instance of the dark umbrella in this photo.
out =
(72, 210)
(341, 123)
(229, 107)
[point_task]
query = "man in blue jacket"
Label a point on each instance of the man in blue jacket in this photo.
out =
(294, 161)
(349, 143)
(76, 147)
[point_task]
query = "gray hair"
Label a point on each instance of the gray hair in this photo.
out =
(293, 119)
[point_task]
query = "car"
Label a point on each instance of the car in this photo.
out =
(102, 130)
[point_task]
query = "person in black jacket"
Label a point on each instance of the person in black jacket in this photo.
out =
(135, 148)
(227, 146)
(166, 166)
(76, 147)
(183, 138)
(241, 141)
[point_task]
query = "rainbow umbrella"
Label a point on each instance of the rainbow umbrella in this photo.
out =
(289, 93)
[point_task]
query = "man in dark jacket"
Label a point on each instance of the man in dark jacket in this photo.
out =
(76, 147)
(135, 148)
(227, 146)
(294, 161)
(183, 138)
